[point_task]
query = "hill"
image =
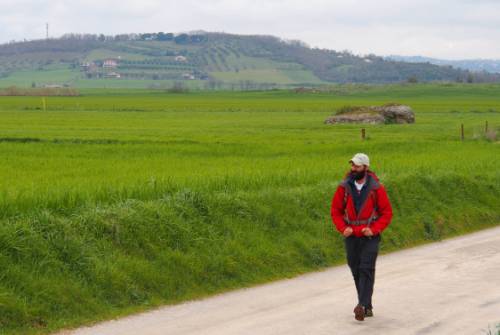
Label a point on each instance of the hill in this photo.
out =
(476, 65)
(203, 60)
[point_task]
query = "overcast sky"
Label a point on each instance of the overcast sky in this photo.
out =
(452, 29)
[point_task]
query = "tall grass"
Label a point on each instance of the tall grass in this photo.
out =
(173, 197)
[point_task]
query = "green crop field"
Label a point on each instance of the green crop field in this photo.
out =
(116, 201)
(25, 78)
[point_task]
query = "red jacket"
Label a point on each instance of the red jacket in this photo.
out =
(376, 194)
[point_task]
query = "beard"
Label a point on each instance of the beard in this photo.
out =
(358, 175)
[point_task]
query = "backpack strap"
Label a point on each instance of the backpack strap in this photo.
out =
(374, 215)
(347, 190)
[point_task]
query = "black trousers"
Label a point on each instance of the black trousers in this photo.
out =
(361, 255)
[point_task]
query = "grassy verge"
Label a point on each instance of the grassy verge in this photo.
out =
(64, 270)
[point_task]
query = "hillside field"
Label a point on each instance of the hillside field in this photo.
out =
(205, 61)
(117, 201)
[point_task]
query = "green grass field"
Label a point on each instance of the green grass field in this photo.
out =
(116, 201)
(25, 78)
(75, 78)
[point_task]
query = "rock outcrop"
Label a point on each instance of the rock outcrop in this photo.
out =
(389, 113)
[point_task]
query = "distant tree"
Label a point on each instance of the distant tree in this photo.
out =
(211, 83)
(181, 39)
(198, 38)
(412, 79)
(121, 37)
(161, 36)
(178, 87)
(297, 43)
(470, 78)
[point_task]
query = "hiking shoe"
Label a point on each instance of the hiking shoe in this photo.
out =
(368, 312)
(359, 312)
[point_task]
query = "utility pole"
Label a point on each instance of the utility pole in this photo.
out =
(47, 30)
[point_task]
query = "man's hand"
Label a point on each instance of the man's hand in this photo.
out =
(347, 231)
(367, 231)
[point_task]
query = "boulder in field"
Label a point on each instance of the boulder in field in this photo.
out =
(388, 113)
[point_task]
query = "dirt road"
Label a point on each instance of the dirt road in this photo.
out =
(447, 287)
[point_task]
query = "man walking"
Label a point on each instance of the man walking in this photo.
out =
(361, 211)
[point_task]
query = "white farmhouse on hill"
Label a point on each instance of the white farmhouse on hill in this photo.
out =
(180, 59)
(188, 76)
(110, 63)
(112, 75)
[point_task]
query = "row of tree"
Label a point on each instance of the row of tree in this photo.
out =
(160, 36)
(182, 38)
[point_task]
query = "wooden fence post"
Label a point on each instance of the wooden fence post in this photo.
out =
(486, 127)
(363, 134)
(462, 132)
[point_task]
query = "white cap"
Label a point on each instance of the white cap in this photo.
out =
(360, 159)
